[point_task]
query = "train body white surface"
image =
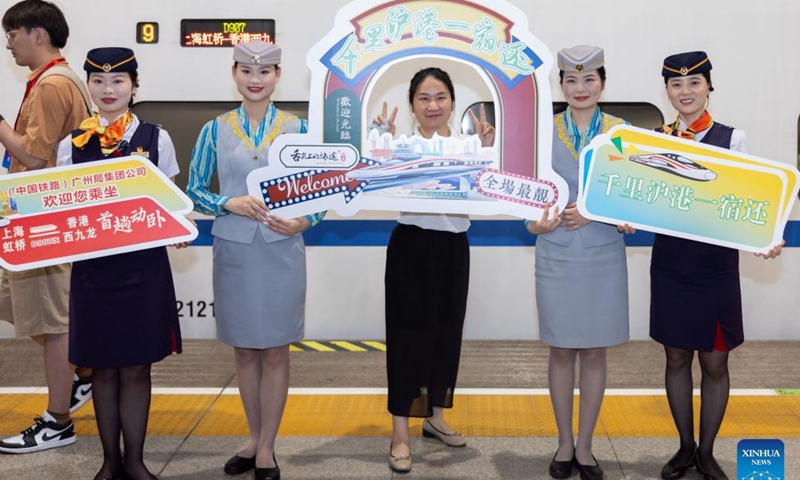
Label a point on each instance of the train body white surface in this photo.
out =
(751, 45)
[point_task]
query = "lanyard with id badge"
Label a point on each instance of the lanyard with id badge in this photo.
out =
(31, 83)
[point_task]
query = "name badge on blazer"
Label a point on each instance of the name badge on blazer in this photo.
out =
(141, 153)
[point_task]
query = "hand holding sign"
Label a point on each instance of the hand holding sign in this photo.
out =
(572, 218)
(773, 252)
(545, 224)
(185, 244)
(286, 226)
(626, 229)
(247, 206)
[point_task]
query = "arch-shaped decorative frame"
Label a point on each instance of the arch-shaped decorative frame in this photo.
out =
(333, 167)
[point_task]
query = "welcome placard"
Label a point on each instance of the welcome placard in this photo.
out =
(77, 212)
(342, 164)
(686, 189)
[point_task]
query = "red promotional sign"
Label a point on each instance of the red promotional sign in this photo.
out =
(93, 231)
(311, 184)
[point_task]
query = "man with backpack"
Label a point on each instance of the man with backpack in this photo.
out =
(37, 301)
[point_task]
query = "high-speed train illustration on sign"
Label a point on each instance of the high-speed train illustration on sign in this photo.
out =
(676, 165)
(402, 172)
(422, 164)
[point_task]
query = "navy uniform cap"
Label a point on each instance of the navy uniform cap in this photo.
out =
(110, 59)
(682, 64)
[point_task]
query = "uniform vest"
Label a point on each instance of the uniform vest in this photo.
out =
(718, 135)
(565, 164)
(144, 140)
(696, 258)
(236, 158)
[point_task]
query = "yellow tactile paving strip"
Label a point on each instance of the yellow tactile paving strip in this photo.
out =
(473, 415)
(337, 345)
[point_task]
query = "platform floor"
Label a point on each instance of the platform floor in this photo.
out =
(336, 425)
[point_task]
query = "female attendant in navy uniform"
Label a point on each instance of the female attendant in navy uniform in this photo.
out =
(259, 257)
(122, 310)
(581, 271)
(426, 282)
(695, 298)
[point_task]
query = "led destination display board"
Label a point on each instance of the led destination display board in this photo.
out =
(225, 33)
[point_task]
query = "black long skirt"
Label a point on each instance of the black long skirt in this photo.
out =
(427, 281)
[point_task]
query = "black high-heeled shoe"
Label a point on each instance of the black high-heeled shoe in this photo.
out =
(671, 471)
(590, 472)
(117, 475)
(268, 473)
(237, 465)
(708, 476)
(125, 476)
(561, 469)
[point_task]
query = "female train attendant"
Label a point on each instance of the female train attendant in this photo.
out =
(684, 275)
(581, 272)
(122, 310)
(259, 257)
(426, 281)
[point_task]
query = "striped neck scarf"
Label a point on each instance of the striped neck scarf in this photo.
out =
(701, 124)
(578, 139)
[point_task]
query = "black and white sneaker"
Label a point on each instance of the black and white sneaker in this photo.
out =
(81, 393)
(45, 433)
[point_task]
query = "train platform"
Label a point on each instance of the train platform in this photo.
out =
(336, 425)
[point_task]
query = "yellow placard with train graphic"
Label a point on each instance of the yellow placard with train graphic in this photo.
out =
(686, 189)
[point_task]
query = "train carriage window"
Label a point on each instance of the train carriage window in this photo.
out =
(798, 145)
(183, 121)
(639, 114)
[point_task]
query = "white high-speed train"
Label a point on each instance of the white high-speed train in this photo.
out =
(755, 75)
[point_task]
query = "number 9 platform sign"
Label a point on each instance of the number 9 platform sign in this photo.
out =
(96, 209)
(686, 189)
(347, 162)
